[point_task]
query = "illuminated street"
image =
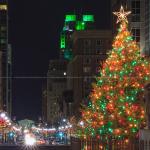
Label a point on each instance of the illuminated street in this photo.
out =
(35, 148)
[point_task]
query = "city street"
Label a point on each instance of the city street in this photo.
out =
(58, 147)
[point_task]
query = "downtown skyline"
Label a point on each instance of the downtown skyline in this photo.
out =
(34, 30)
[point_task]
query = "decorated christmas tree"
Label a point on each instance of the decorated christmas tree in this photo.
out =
(116, 108)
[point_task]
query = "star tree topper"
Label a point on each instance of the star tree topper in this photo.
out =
(122, 15)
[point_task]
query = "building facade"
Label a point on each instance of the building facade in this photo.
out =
(90, 49)
(138, 21)
(5, 59)
(73, 22)
(56, 85)
(147, 27)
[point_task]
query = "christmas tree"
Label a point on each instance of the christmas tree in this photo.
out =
(116, 108)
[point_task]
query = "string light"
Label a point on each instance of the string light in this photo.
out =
(115, 107)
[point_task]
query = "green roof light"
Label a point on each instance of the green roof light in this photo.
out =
(80, 25)
(88, 18)
(70, 18)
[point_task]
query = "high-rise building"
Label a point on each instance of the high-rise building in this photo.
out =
(90, 49)
(56, 85)
(73, 23)
(147, 27)
(5, 59)
(137, 20)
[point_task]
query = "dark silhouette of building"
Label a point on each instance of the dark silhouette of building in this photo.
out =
(90, 49)
(5, 59)
(56, 85)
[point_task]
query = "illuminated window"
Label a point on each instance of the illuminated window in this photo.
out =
(3, 41)
(86, 69)
(3, 7)
(3, 28)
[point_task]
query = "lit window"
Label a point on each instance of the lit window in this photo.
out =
(3, 41)
(86, 69)
(3, 7)
(3, 28)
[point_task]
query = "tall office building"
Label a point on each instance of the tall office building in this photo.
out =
(137, 20)
(56, 85)
(90, 49)
(147, 27)
(73, 23)
(5, 59)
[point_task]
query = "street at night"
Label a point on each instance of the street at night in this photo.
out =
(35, 148)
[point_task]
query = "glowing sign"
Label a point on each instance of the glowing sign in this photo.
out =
(70, 18)
(62, 42)
(80, 25)
(89, 18)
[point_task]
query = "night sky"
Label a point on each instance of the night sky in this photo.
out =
(34, 28)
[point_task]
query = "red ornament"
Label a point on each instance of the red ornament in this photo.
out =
(110, 106)
(123, 52)
(121, 92)
(98, 137)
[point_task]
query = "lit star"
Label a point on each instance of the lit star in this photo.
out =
(122, 15)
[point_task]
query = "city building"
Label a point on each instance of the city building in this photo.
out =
(147, 27)
(138, 21)
(147, 104)
(5, 59)
(73, 23)
(90, 49)
(56, 85)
